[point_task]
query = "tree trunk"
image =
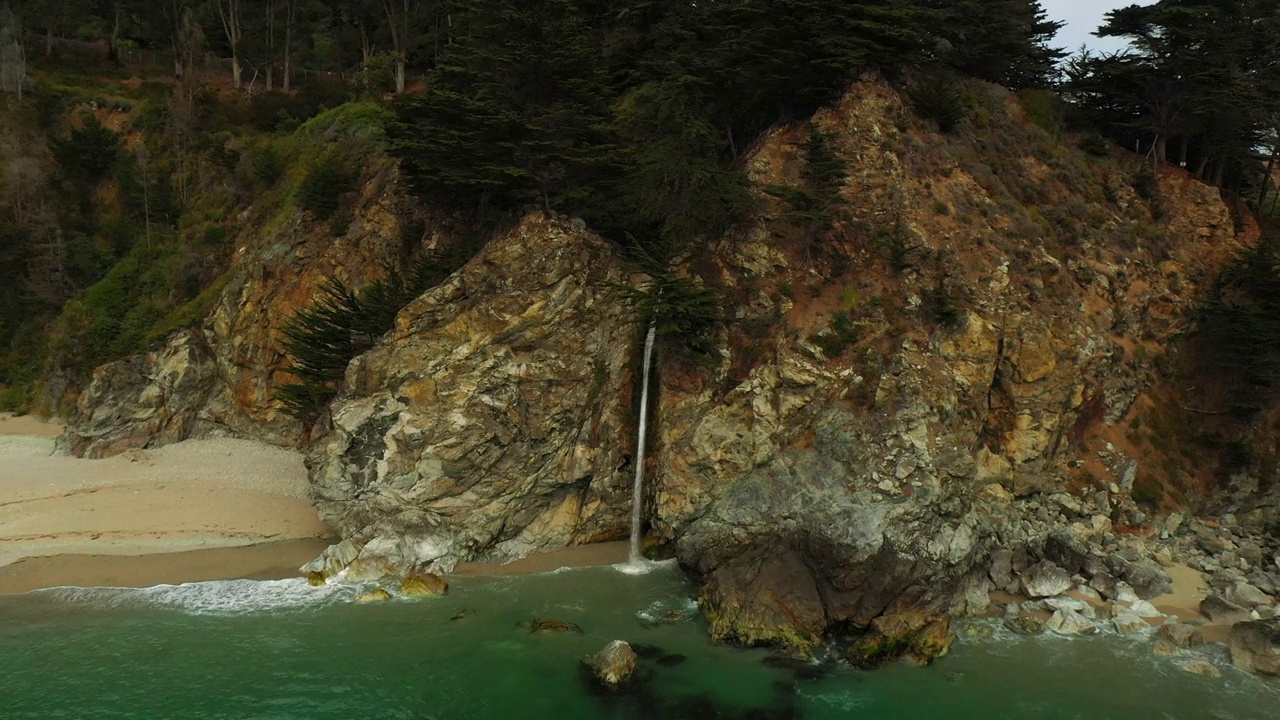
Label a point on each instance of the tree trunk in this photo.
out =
(236, 71)
(1182, 152)
(288, 43)
(48, 41)
(115, 35)
(400, 73)
(1266, 178)
(1204, 163)
(1161, 148)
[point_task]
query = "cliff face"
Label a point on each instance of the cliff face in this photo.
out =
(493, 421)
(866, 466)
(966, 361)
(219, 377)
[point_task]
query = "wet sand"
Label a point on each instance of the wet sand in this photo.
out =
(29, 426)
(268, 561)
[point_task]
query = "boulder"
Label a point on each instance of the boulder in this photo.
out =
(1069, 622)
(1045, 579)
(1127, 623)
(1105, 583)
(426, 584)
(918, 636)
(1001, 571)
(1067, 550)
(1180, 634)
(315, 578)
(1255, 646)
(1147, 578)
(375, 595)
(1247, 596)
(614, 664)
(1025, 624)
(1221, 611)
(1144, 609)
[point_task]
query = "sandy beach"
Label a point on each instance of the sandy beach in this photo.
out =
(174, 504)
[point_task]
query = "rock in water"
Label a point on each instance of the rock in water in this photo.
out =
(315, 578)
(1069, 622)
(1198, 666)
(1255, 646)
(423, 585)
(1044, 579)
(375, 595)
(614, 664)
(1025, 624)
(1128, 623)
(544, 625)
(1221, 611)
(919, 636)
(1181, 635)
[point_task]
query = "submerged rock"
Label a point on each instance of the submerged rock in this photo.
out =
(1025, 624)
(315, 578)
(375, 595)
(423, 585)
(1199, 666)
(544, 625)
(614, 664)
(1255, 646)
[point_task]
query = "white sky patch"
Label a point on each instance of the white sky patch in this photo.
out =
(1082, 18)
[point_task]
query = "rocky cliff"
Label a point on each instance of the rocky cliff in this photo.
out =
(218, 378)
(964, 385)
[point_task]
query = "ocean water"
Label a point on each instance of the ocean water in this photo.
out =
(285, 651)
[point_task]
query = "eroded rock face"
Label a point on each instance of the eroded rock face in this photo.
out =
(495, 419)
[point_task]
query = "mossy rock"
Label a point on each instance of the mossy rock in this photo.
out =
(375, 595)
(919, 636)
(315, 578)
(425, 585)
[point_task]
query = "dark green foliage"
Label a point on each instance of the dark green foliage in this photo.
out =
(682, 309)
(1044, 109)
(1004, 41)
(1242, 323)
(896, 241)
(941, 98)
(1095, 144)
(329, 178)
(88, 153)
(322, 339)
(839, 337)
(267, 164)
(816, 205)
(940, 304)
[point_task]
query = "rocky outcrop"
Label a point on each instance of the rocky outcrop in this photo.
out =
(920, 637)
(1255, 646)
(856, 454)
(424, 585)
(219, 377)
(614, 664)
(495, 419)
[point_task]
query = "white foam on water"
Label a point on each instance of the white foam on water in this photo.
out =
(640, 566)
(221, 597)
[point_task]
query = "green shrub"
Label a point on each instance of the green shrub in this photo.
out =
(838, 337)
(327, 180)
(268, 166)
(1095, 144)
(1044, 109)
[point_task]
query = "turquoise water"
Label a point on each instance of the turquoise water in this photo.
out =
(284, 651)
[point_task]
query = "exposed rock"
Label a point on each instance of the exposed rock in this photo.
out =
(493, 420)
(1144, 609)
(1219, 610)
(1147, 578)
(1067, 550)
(1001, 571)
(1180, 634)
(1198, 666)
(1081, 607)
(614, 664)
(425, 584)
(315, 578)
(1164, 646)
(1255, 646)
(545, 625)
(1248, 596)
(1127, 623)
(219, 378)
(1044, 579)
(1105, 584)
(334, 559)
(375, 595)
(919, 636)
(1069, 622)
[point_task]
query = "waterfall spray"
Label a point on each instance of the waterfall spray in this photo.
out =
(637, 496)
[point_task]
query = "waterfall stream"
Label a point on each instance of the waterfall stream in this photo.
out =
(637, 496)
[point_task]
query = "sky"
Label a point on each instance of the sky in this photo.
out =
(1082, 18)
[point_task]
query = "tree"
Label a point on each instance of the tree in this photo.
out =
(1004, 41)
(290, 19)
(401, 18)
(229, 13)
(13, 58)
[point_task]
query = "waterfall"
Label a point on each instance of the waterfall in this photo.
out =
(637, 497)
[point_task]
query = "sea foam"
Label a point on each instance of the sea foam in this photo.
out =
(220, 597)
